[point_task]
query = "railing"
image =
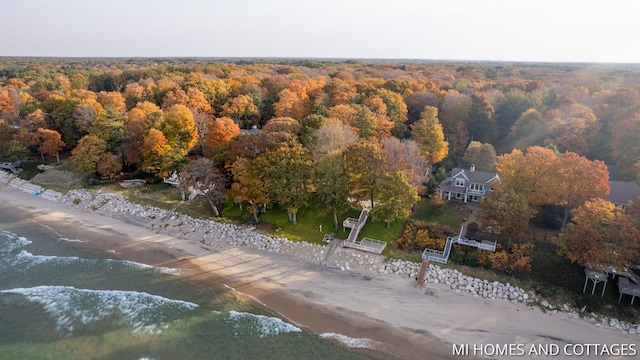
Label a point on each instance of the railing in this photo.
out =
(491, 246)
(475, 191)
(360, 246)
(349, 222)
(374, 241)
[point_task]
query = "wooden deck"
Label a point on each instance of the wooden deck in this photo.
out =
(443, 256)
(366, 244)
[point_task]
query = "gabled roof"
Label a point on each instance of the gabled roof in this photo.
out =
(623, 191)
(476, 176)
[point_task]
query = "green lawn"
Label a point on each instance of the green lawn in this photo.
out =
(444, 214)
(309, 222)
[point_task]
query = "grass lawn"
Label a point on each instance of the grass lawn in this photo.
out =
(444, 214)
(309, 222)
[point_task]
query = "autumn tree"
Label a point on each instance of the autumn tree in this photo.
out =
(62, 115)
(84, 116)
(530, 129)
(50, 143)
(416, 103)
(330, 182)
(364, 121)
(247, 146)
(454, 117)
(405, 155)
(248, 186)
(202, 175)
(27, 134)
(342, 112)
(154, 147)
(310, 124)
(395, 198)
(281, 131)
(109, 165)
(112, 99)
(516, 258)
(534, 175)
(287, 172)
(572, 128)
(428, 133)
(506, 210)
(599, 234)
(580, 180)
(292, 104)
(89, 153)
(482, 124)
(219, 133)
(180, 128)
(483, 156)
(364, 167)
(242, 110)
(332, 136)
(396, 110)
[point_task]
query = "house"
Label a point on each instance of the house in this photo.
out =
(622, 192)
(253, 131)
(467, 184)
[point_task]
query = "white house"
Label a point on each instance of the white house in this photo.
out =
(467, 184)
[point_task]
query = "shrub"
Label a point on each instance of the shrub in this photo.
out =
(417, 235)
(515, 259)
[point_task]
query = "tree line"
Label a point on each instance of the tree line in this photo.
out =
(329, 131)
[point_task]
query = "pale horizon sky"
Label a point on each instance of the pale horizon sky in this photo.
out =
(487, 30)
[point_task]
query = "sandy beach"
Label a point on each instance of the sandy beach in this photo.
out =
(401, 321)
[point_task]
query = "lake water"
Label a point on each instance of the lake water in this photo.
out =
(58, 302)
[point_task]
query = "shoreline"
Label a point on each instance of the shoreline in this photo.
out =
(225, 266)
(404, 322)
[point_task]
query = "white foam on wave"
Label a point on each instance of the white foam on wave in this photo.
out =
(357, 343)
(28, 259)
(72, 240)
(263, 325)
(170, 271)
(71, 306)
(13, 242)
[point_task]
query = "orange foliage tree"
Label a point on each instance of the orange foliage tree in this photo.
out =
(219, 133)
(599, 233)
(50, 143)
(581, 179)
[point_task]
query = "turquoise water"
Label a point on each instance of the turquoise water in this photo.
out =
(58, 302)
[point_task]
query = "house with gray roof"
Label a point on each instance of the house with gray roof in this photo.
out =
(622, 192)
(467, 184)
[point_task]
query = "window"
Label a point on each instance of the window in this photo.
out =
(477, 187)
(459, 182)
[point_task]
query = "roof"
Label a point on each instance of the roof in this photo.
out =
(623, 191)
(477, 176)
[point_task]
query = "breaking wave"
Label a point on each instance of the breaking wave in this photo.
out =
(72, 307)
(359, 343)
(262, 325)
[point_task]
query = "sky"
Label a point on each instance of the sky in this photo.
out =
(489, 30)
